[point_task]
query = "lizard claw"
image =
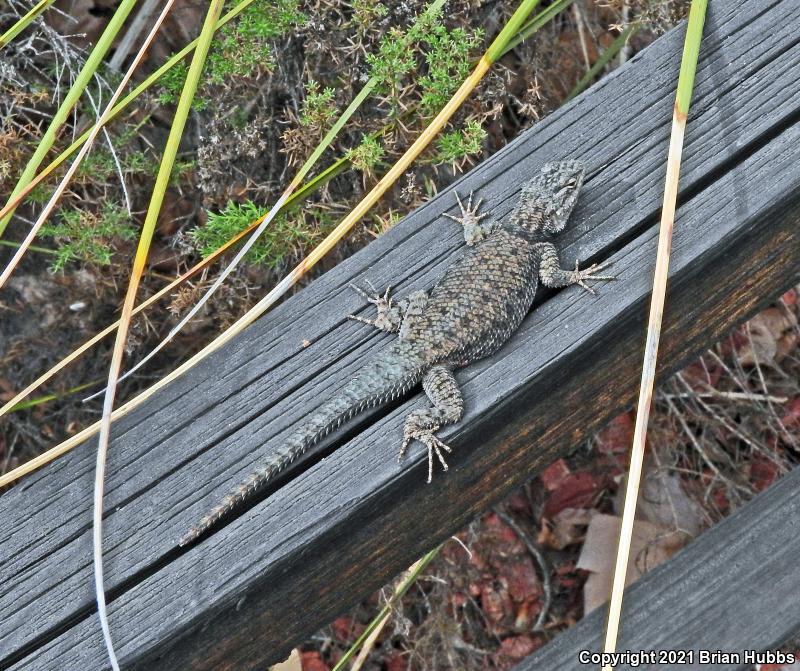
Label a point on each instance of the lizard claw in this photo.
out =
(374, 297)
(578, 276)
(388, 317)
(431, 442)
(474, 231)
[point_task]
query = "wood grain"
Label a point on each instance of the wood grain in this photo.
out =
(341, 526)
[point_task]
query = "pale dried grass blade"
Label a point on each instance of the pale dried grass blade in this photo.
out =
(685, 85)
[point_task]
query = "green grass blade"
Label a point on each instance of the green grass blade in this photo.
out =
(688, 66)
(535, 23)
(691, 52)
(26, 405)
(127, 100)
(409, 580)
(33, 248)
(432, 10)
(76, 90)
(509, 31)
(24, 22)
(613, 49)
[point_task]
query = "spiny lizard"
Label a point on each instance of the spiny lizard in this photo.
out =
(474, 308)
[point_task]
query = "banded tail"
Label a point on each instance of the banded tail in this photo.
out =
(391, 374)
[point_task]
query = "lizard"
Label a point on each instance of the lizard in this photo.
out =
(476, 305)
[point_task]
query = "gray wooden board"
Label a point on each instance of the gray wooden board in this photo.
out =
(291, 558)
(177, 454)
(734, 589)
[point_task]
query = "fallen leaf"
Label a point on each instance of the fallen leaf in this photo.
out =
(651, 545)
(346, 628)
(773, 334)
(663, 501)
(397, 662)
(526, 614)
(791, 413)
(577, 490)
(520, 579)
(554, 475)
(313, 662)
(292, 664)
(789, 299)
(496, 605)
(700, 376)
(567, 528)
(518, 647)
(616, 436)
(763, 472)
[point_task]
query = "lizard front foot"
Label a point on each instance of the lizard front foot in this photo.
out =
(389, 317)
(474, 230)
(579, 276)
(416, 430)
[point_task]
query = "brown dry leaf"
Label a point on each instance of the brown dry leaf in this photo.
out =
(291, 664)
(83, 19)
(651, 545)
(567, 528)
(663, 501)
(773, 334)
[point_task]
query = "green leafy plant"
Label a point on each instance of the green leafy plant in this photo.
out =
(366, 155)
(87, 236)
(458, 145)
(448, 61)
(240, 49)
(319, 107)
(287, 235)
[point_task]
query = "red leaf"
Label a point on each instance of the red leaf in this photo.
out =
(397, 662)
(700, 376)
(763, 472)
(496, 604)
(519, 647)
(346, 628)
(791, 413)
(521, 579)
(311, 661)
(554, 475)
(577, 491)
(617, 435)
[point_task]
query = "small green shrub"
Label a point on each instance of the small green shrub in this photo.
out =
(366, 155)
(458, 145)
(84, 235)
(240, 49)
(285, 237)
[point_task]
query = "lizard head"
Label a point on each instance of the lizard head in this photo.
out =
(549, 198)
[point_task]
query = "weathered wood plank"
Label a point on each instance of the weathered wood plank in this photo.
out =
(174, 456)
(730, 590)
(287, 565)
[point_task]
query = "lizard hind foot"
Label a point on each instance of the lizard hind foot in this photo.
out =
(433, 444)
(580, 276)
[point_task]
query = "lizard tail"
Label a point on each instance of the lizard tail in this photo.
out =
(383, 379)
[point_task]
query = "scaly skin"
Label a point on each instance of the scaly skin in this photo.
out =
(475, 307)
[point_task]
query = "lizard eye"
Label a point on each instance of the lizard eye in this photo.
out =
(572, 183)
